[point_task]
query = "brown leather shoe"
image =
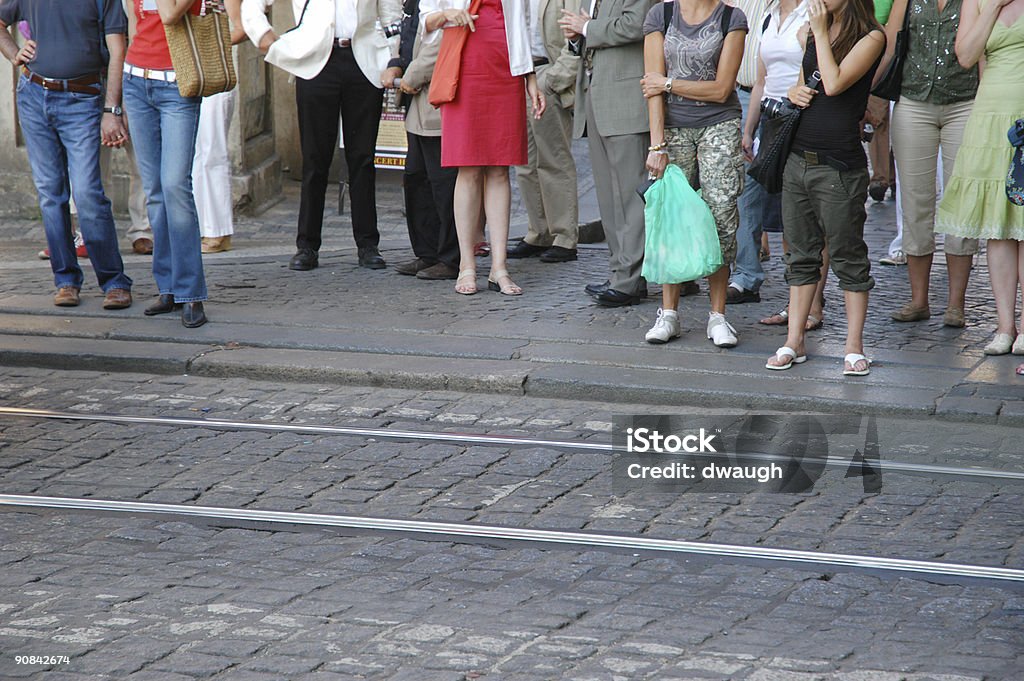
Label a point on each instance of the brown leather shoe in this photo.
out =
(117, 299)
(67, 296)
(438, 271)
(142, 246)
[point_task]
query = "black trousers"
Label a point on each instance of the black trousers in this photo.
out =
(430, 202)
(339, 88)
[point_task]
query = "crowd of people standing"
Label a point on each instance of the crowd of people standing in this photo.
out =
(686, 82)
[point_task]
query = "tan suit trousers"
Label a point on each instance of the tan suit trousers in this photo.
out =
(548, 181)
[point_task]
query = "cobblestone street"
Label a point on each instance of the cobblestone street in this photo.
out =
(150, 597)
(141, 598)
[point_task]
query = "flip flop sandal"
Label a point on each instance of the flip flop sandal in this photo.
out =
(813, 323)
(852, 359)
(783, 353)
(782, 315)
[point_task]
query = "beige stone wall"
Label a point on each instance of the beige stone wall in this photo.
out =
(256, 166)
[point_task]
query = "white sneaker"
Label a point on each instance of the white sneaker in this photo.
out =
(897, 258)
(720, 332)
(666, 327)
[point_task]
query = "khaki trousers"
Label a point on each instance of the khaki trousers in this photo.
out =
(547, 182)
(919, 131)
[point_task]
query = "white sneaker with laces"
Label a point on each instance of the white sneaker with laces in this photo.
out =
(666, 327)
(720, 332)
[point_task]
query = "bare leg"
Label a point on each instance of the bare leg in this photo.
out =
(856, 313)
(1003, 266)
(468, 192)
(497, 206)
(718, 283)
(765, 244)
(670, 296)
(919, 271)
(959, 267)
(800, 299)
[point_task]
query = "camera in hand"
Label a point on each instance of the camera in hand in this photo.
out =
(773, 108)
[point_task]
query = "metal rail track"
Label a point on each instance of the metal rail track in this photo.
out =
(474, 532)
(472, 439)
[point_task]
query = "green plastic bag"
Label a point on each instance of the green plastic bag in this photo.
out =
(682, 241)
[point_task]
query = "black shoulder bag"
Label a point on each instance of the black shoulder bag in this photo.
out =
(891, 83)
(777, 132)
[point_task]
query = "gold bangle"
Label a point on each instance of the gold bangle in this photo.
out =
(657, 147)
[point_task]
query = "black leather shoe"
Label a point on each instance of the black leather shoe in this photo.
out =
(371, 259)
(690, 288)
(163, 305)
(735, 296)
(597, 289)
(304, 259)
(525, 250)
(192, 315)
(558, 254)
(612, 298)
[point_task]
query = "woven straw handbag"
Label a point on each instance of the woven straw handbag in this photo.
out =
(200, 47)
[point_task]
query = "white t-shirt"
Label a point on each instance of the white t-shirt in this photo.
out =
(781, 51)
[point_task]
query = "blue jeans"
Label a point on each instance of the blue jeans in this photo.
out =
(62, 136)
(163, 127)
(747, 271)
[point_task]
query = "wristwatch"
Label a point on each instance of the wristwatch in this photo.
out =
(668, 86)
(116, 110)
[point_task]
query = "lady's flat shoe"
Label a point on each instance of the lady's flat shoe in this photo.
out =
(1018, 345)
(192, 315)
(910, 313)
(953, 318)
(216, 244)
(494, 283)
(1000, 345)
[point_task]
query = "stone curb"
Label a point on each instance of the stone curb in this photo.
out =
(514, 377)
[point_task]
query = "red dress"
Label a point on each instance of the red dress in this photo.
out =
(485, 125)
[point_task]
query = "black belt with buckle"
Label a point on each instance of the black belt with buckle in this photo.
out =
(746, 89)
(540, 61)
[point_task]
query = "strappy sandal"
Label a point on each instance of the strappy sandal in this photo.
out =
(783, 353)
(464, 289)
(851, 361)
(509, 289)
(814, 323)
(780, 318)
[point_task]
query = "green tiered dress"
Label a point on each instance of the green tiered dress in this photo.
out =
(974, 204)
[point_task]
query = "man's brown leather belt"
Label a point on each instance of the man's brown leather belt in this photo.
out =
(90, 85)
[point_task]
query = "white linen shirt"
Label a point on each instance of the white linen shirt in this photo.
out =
(517, 31)
(781, 51)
